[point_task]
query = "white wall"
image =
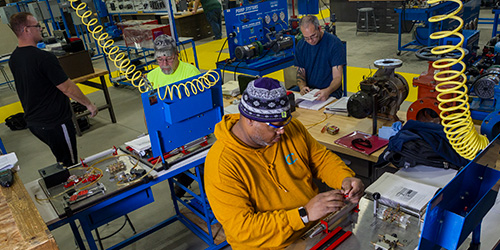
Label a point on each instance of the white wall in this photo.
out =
(8, 40)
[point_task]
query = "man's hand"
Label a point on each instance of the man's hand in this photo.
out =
(323, 94)
(92, 109)
(324, 203)
(353, 188)
(304, 90)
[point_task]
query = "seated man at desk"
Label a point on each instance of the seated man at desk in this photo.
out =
(43, 89)
(170, 69)
(319, 59)
(259, 173)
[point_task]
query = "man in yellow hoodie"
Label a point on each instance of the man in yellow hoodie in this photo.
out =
(259, 174)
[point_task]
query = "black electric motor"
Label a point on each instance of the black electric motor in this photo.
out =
(384, 91)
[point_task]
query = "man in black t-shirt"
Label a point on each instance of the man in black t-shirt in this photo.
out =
(43, 89)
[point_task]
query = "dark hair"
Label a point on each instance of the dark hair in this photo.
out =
(18, 21)
(309, 19)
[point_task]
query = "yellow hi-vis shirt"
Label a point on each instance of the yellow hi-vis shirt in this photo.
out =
(183, 71)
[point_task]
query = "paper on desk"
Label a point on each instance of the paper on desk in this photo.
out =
(314, 105)
(8, 161)
(339, 107)
(140, 144)
(231, 109)
(398, 190)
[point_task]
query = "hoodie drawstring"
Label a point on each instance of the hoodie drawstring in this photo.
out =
(271, 170)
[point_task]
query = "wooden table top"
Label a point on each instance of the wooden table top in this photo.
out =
(97, 73)
(21, 226)
(315, 120)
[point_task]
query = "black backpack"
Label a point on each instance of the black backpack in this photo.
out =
(416, 152)
(16, 122)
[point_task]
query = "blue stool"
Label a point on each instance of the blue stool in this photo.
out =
(2, 148)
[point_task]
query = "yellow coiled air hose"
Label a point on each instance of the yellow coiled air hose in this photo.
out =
(122, 62)
(453, 98)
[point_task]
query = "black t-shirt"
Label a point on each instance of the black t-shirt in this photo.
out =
(36, 74)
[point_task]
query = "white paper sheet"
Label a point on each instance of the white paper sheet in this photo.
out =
(399, 190)
(140, 144)
(8, 161)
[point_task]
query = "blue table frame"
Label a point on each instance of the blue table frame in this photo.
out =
(420, 15)
(258, 68)
(133, 199)
(495, 22)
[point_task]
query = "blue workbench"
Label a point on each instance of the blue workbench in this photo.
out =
(495, 22)
(131, 199)
(421, 15)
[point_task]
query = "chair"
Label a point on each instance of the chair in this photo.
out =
(7, 80)
(364, 14)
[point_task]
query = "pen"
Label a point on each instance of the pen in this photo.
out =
(324, 128)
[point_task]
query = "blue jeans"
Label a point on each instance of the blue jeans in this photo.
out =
(214, 17)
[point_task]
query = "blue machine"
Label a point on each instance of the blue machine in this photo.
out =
(308, 7)
(458, 209)
(257, 38)
(175, 122)
(485, 104)
(469, 14)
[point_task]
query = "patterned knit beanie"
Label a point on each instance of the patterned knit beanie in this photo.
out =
(165, 45)
(265, 100)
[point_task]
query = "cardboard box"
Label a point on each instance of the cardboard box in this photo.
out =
(143, 36)
(76, 64)
(131, 23)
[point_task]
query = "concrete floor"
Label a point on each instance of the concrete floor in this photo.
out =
(362, 51)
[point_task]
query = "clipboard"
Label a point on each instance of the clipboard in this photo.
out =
(362, 142)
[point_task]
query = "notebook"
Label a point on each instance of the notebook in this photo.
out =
(338, 107)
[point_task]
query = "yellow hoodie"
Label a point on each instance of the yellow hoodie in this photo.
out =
(255, 193)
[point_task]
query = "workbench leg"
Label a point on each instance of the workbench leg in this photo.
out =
(77, 236)
(399, 33)
(88, 234)
(99, 238)
(495, 25)
(476, 238)
(108, 99)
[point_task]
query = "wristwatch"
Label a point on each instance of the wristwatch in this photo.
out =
(303, 215)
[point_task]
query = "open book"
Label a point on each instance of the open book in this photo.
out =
(309, 101)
